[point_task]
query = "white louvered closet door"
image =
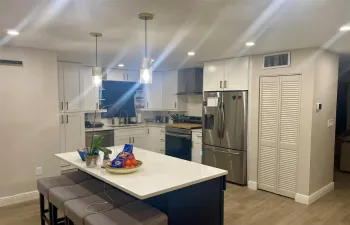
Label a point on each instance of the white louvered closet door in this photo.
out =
(268, 133)
(278, 134)
(290, 90)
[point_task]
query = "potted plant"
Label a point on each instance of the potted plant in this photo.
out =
(106, 153)
(92, 154)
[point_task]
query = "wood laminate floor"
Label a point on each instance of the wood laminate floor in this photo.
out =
(243, 206)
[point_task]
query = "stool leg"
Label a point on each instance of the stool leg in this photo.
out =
(42, 209)
(53, 214)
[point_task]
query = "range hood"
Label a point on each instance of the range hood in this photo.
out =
(190, 81)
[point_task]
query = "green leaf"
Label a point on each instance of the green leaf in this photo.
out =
(105, 150)
(96, 143)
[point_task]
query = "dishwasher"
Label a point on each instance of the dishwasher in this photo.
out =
(108, 138)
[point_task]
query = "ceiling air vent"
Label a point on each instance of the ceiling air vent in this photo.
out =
(277, 60)
(4, 62)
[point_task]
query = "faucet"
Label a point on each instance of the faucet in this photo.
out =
(125, 119)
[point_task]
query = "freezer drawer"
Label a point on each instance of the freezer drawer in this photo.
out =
(232, 161)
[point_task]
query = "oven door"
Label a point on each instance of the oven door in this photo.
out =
(178, 145)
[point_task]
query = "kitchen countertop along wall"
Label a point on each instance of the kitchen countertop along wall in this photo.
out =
(161, 125)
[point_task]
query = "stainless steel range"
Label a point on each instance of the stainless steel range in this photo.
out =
(178, 142)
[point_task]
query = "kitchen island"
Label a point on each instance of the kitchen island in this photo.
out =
(188, 192)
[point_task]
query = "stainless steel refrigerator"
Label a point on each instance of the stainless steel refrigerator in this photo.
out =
(225, 133)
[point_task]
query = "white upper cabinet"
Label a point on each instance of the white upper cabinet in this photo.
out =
(213, 78)
(236, 74)
(230, 74)
(170, 90)
(116, 75)
(69, 87)
(171, 101)
(123, 75)
(89, 93)
(132, 75)
(153, 92)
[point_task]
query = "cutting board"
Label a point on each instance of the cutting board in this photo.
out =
(185, 125)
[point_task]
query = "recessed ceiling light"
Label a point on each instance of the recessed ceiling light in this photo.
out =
(12, 32)
(344, 28)
(249, 44)
(121, 65)
(152, 60)
(191, 53)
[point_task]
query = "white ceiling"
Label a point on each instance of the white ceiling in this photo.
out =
(214, 29)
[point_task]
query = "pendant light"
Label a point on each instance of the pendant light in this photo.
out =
(96, 71)
(146, 70)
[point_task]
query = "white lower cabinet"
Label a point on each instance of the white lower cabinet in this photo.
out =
(157, 139)
(197, 147)
(140, 141)
(72, 132)
(136, 136)
(121, 140)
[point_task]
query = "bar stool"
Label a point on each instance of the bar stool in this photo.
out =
(77, 209)
(135, 213)
(59, 195)
(45, 184)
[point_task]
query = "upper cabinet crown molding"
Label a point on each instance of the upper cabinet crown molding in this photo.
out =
(228, 74)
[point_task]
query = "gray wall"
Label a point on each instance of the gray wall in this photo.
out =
(29, 119)
(322, 141)
(302, 62)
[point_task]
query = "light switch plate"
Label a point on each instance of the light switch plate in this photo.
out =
(38, 171)
(330, 122)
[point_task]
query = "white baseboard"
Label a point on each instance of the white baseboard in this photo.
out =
(303, 199)
(23, 197)
(308, 200)
(320, 193)
(253, 185)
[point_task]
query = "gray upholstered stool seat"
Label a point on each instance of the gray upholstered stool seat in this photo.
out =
(45, 184)
(77, 209)
(135, 213)
(59, 195)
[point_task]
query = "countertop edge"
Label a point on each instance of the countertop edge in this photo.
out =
(146, 196)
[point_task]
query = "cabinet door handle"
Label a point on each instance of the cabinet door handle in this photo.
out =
(96, 105)
(175, 105)
(225, 84)
(147, 104)
(61, 106)
(67, 119)
(148, 131)
(133, 140)
(62, 119)
(127, 76)
(66, 105)
(221, 84)
(129, 140)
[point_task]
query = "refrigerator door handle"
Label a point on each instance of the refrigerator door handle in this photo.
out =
(222, 120)
(218, 119)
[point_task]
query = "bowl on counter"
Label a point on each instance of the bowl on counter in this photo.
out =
(124, 170)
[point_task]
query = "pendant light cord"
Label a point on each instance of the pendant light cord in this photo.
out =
(96, 51)
(146, 38)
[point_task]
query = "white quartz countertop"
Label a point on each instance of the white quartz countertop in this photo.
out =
(106, 127)
(158, 174)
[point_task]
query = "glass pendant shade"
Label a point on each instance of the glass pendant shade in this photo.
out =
(146, 72)
(97, 76)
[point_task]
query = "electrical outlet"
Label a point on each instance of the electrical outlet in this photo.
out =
(38, 171)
